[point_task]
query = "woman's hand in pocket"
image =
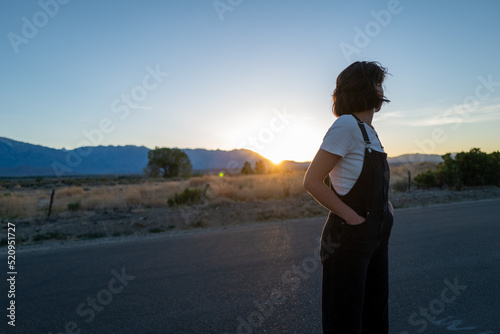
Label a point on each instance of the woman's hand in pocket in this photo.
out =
(356, 220)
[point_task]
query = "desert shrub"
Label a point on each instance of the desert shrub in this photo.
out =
(74, 206)
(473, 168)
(447, 172)
(426, 179)
(399, 185)
(477, 168)
(189, 196)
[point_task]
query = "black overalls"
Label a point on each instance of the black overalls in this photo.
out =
(355, 284)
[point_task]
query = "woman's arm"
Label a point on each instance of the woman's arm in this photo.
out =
(319, 168)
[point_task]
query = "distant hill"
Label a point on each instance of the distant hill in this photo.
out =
(414, 158)
(292, 165)
(219, 160)
(18, 159)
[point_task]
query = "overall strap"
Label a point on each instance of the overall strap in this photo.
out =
(363, 131)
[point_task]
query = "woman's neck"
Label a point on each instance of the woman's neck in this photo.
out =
(366, 116)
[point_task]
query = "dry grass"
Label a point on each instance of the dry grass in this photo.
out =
(142, 209)
(254, 187)
(33, 203)
(28, 203)
(399, 174)
(20, 203)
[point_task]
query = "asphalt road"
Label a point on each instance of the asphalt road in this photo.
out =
(444, 277)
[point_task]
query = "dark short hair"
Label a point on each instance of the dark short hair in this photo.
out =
(356, 88)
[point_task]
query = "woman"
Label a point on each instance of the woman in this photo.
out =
(355, 236)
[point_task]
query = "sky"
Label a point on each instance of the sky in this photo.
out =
(255, 74)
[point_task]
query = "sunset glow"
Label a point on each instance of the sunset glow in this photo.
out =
(179, 74)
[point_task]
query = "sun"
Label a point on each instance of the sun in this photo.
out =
(296, 143)
(277, 154)
(276, 161)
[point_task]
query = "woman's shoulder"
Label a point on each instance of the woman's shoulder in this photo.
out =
(345, 121)
(343, 127)
(343, 136)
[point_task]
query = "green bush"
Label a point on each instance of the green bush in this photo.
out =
(478, 168)
(448, 172)
(473, 168)
(426, 179)
(187, 197)
(74, 206)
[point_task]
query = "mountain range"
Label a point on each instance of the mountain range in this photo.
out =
(18, 159)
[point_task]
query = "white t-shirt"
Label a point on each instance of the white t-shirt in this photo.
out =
(344, 138)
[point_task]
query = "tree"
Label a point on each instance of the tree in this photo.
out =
(477, 168)
(473, 168)
(247, 168)
(448, 172)
(495, 156)
(169, 162)
(260, 167)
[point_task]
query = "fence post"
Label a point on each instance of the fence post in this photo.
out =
(409, 181)
(51, 200)
(203, 194)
